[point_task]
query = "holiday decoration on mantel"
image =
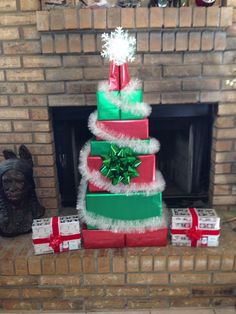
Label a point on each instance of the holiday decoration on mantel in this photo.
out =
(120, 196)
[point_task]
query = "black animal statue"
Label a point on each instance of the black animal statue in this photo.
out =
(18, 201)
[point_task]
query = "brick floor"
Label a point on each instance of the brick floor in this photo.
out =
(227, 310)
(175, 280)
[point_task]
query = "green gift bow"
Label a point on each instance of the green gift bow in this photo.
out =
(120, 165)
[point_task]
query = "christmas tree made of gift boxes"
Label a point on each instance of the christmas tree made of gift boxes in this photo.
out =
(120, 195)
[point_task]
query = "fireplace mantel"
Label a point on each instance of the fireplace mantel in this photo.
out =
(174, 40)
(134, 18)
(193, 29)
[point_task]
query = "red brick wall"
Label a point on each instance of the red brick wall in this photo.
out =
(24, 114)
(183, 56)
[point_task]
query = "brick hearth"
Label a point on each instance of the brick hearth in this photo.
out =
(142, 278)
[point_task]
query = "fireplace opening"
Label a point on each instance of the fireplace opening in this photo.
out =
(184, 132)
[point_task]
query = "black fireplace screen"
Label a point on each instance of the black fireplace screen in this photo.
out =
(184, 132)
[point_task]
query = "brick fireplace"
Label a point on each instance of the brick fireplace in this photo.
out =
(50, 59)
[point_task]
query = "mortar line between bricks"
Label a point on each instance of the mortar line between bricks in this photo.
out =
(126, 266)
(234, 262)
(221, 262)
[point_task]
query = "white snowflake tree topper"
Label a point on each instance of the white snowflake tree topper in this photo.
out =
(119, 46)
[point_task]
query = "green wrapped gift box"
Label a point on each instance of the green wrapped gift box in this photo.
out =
(136, 206)
(132, 99)
(100, 148)
(90, 227)
(106, 109)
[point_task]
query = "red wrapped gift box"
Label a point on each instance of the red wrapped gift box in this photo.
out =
(94, 239)
(130, 128)
(147, 170)
(148, 238)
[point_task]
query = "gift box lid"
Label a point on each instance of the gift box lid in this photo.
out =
(42, 228)
(181, 218)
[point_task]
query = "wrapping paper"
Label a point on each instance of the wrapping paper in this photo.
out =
(106, 108)
(146, 170)
(131, 128)
(99, 148)
(56, 234)
(195, 227)
(148, 238)
(124, 207)
(124, 75)
(114, 77)
(119, 76)
(90, 227)
(132, 99)
(206, 240)
(94, 239)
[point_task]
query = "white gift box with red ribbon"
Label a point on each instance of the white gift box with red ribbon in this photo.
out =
(194, 227)
(56, 234)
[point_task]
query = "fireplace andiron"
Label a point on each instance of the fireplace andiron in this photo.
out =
(18, 201)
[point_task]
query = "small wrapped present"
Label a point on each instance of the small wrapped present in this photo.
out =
(94, 239)
(56, 234)
(146, 170)
(131, 128)
(116, 104)
(194, 227)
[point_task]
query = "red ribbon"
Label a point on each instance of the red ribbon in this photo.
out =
(194, 233)
(118, 76)
(114, 77)
(56, 239)
(124, 76)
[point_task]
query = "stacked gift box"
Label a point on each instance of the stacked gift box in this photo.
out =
(120, 199)
(118, 207)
